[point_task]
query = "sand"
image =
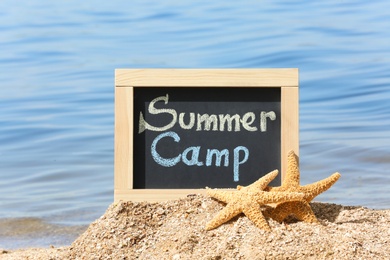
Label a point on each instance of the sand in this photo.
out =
(175, 230)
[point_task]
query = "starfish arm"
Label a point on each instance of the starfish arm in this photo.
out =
(263, 181)
(292, 177)
(300, 209)
(277, 189)
(314, 189)
(254, 213)
(278, 213)
(264, 197)
(303, 212)
(226, 214)
(221, 195)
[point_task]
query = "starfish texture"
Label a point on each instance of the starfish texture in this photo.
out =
(301, 208)
(247, 200)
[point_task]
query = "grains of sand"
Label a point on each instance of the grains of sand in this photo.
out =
(175, 230)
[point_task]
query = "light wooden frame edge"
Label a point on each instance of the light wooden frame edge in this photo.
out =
(127, 79)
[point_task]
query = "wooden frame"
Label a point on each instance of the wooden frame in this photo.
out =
(128, 79)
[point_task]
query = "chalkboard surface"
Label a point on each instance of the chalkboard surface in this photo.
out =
(195, 137)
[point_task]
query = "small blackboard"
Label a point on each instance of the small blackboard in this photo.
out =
(178, 131)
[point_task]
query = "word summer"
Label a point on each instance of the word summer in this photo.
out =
(190, 155)
(205, 122)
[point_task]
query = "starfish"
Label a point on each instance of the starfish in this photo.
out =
(301, 208)
(247, 200)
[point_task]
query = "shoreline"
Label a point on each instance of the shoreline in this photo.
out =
(175, 230)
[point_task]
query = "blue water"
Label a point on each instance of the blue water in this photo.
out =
(57, 62)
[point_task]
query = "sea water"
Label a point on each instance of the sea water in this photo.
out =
(57, 62)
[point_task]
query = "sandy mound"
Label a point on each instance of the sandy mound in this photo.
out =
(175, 230)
